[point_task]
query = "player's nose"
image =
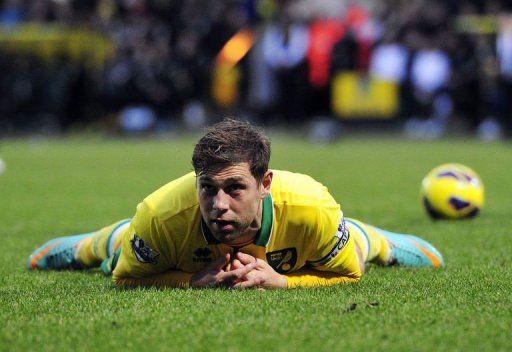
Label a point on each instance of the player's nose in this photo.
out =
(220, 201)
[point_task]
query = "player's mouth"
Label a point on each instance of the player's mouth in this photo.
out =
(224, 225)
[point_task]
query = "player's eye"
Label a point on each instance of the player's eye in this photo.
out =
(235, 188)
(206, 187)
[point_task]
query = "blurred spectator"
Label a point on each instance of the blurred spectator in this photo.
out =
(504, 55)
(389, 61)
(12, 13)
(284, 45)
(325, 33)
(427, 94)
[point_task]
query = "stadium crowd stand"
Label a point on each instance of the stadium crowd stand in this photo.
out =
(153, 63)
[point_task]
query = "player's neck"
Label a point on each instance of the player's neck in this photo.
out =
(243, 241)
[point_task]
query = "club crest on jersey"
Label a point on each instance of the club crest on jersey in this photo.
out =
(282, 260)
(143, 252)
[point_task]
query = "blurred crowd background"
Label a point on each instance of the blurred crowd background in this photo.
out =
(429, 68)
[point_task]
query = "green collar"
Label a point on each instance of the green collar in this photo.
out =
(263, 234)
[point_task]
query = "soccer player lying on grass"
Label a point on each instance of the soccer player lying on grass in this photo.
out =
(235, 223)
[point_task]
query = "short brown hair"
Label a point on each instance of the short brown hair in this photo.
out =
(230, 142)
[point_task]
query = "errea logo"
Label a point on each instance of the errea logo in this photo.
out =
(202, 255)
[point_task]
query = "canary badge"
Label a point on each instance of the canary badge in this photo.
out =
(282, 260)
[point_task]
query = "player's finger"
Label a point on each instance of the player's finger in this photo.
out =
(244, 285)
(221, 262)
(245, 258)
(260, 263)
(236, 264)
(239, 273)
(247, 284)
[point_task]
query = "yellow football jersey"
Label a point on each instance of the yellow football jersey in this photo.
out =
(302, 229)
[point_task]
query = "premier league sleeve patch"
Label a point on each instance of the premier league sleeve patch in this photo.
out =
(143, 252)
(341, 237)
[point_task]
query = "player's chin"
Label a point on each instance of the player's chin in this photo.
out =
(230, 239)
(222, 235)
(227, 238)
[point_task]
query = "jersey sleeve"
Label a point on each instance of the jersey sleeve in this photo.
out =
(314, 278)
(146, 249)
(335, 252)
(338, 263)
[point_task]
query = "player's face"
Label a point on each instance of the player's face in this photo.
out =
(231, 201)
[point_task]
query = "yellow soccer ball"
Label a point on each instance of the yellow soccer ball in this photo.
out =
(452, 191)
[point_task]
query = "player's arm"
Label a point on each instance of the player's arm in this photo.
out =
(316, 277)
(332, 254)
(147, 255)
(263, 275)
(334, 259)
(212, 275)
(337, 259)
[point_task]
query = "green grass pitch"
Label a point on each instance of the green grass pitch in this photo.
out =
(67, 186)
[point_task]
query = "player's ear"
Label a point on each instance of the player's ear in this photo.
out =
(266, 182)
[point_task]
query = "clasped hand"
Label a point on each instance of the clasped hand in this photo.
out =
(244, 271)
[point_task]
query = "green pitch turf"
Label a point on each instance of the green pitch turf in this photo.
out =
(58, 187)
